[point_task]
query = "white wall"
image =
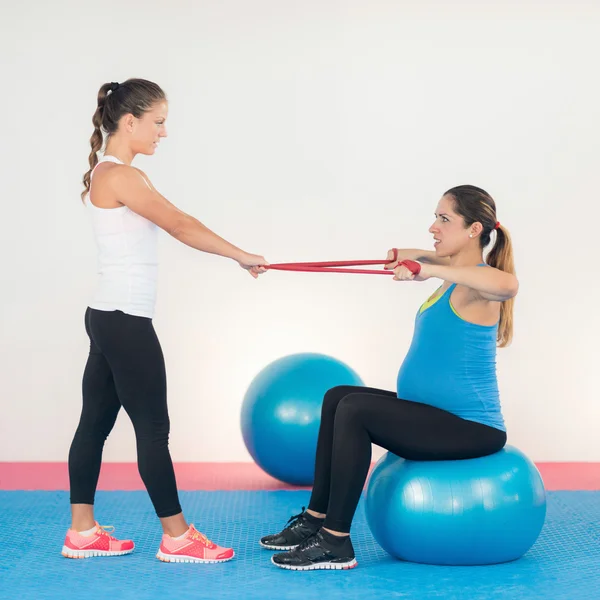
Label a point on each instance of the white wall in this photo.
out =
(314, 130)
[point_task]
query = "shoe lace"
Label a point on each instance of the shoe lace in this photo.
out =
(295, 519)
(197, 535)
(309, 542)
(106, 530)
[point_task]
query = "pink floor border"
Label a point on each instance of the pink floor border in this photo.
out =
(235, 476)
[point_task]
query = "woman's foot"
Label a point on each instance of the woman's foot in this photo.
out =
(192, 547)
(97, 542)
(298, 528)
(321, 551)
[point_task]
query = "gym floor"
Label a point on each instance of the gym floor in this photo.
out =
(236, 504)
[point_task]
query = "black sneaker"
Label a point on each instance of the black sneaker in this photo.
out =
(298, 528)
(318, 553)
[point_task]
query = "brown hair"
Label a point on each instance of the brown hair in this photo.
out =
(475, 205)
(134, 96)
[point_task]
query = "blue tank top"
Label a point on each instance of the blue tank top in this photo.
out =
(451, 364)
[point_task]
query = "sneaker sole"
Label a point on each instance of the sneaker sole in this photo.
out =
(269, 547)
(329, 566)
(181, 558)
(70, 553)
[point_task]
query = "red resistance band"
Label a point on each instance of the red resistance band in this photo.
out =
(339, 266)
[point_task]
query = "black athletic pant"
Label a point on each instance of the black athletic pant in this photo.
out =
(353, 418)
(125, 368)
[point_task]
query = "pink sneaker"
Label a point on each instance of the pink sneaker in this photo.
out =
(100, 543)
(193, 547)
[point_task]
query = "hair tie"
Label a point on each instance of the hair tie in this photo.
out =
(114, 86)
(497, 225)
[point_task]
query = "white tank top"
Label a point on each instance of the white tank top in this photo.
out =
(127, 258)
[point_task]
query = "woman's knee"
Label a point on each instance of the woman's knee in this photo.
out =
(94, 435)
(350, 406)
(333, 397)
(152, 432)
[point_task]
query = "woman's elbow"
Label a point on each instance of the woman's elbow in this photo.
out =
(179, 227)
(512, 287)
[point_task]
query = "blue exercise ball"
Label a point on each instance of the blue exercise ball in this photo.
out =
(478, 511)
(281, 413)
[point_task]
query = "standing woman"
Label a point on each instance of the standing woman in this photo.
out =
(125, 366)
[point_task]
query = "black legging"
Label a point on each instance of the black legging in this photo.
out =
(125, 368)
(354, 417)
